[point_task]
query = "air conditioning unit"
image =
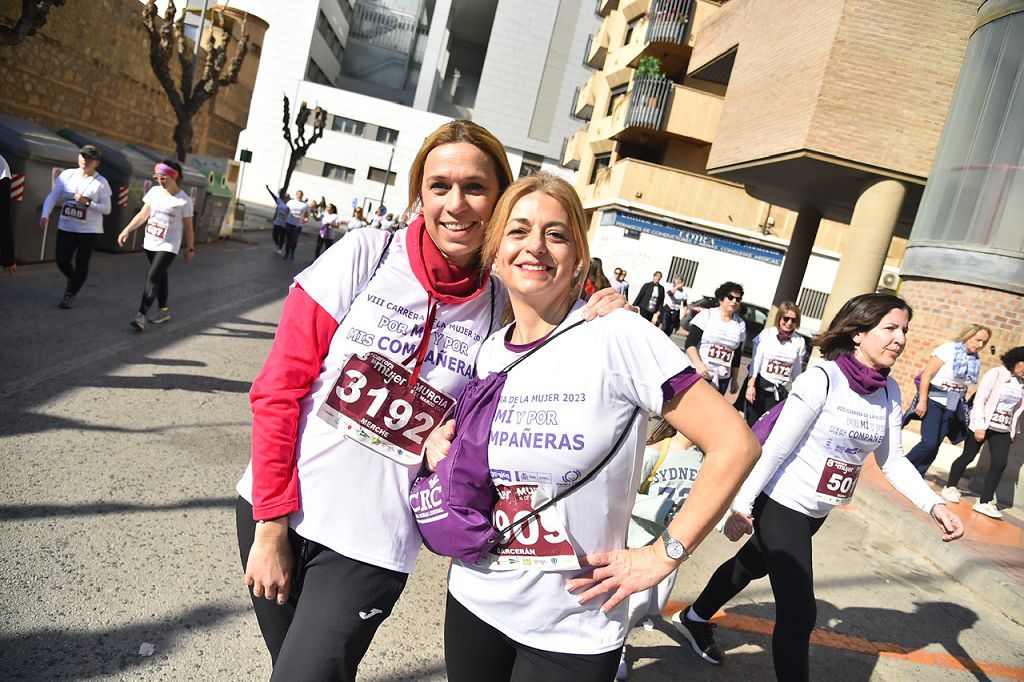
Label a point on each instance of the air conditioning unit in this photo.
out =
(889, 281)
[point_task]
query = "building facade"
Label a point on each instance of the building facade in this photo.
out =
(388, 72)
(765, 123)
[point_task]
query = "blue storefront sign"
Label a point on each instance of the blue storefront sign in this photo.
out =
(635, 224)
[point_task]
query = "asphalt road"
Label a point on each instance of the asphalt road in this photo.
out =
(120, 453)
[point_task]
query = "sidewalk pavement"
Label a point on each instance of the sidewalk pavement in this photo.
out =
(989, 559)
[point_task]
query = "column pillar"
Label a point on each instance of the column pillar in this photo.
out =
(864, 250)
(429, 74)
(797, 254)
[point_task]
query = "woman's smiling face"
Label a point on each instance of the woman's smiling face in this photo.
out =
(459, 191)
(537, 259)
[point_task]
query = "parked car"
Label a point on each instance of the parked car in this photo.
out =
(754, 316)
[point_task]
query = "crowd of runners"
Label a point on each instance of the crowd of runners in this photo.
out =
(489, 299)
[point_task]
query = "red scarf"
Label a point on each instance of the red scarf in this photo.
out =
(442, 279)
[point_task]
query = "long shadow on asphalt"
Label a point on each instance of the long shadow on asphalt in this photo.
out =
(10, 512)
(851, 640)
(79, 655)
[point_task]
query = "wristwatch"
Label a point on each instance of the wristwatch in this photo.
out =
(673, 548)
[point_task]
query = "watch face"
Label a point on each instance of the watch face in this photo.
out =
(674, 550)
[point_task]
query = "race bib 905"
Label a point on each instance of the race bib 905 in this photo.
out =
(371, 402)
(540, 544)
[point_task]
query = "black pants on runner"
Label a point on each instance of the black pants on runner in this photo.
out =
(74, 249)
(474, 651)
(781, 549)
(278, 234)
(291, 240)
(156, 279)
(669, 320)
(999, 454)
(322, 244)
(764, 399)
(333, 611)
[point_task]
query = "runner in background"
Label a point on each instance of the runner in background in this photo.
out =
(511, 615)
(995, 419)
(778, 360)
(670, 466)
(326, 567)
(298, 215)
(941, 402)
(84, 198)
(716, 337)
(838, 413)
(356, 221)
(167, 214)
(328, 228)
(280, 218)
(675, 300)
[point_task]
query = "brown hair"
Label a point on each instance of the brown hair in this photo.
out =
(787, 307)
(859, 314)
(970, 330)
(559, 190)
(451, 133)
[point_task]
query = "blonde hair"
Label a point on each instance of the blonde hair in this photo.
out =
(559, 190)
(787, 307)
(970, 330)
(452, 133)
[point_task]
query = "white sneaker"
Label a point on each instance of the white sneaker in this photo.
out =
(623, 672)
(988, 509)
(138, 322)
(160, 317)
(951, 493)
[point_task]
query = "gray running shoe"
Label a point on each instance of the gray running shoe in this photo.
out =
(138, 322)
(700, 635)
(160, 317)
(68, 302)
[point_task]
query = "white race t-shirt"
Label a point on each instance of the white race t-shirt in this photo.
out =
(298, 212)
(356, 223)
(719, 340)
(1010, 396)
(674, 299)
(776, 361)
(946, 386)
(812, 465)
(354, 500)
(75, 217)
(561, 411)
(165, 225)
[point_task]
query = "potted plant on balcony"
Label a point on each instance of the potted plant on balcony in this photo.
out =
(649, 67)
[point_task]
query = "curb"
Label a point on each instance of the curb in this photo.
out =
(971, 563)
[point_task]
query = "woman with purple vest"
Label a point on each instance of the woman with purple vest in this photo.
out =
(836, 415)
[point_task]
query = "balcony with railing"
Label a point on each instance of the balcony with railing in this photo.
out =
(605, 7)
(664, 108)
(583, 102)
(674, 191)
(648, 102)
(597, 48)
(571, 149)
(668, 21)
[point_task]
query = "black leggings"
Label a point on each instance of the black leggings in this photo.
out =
(473, 651)
(333, 611)
(278, 234)
(156, 279)
(76, 246)
(781, 549)
(764, 399)
(669, 320)
(322, 244)
(999, 453)
(291, 239)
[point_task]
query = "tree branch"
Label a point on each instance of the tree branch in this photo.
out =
(33, 17)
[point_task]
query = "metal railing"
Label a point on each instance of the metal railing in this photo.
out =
(648, 102)
(572, 107)
(383, 27)
(669, 21)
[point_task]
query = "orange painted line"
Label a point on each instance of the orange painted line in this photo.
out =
(834, 640)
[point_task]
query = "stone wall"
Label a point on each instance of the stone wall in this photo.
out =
(88, 69)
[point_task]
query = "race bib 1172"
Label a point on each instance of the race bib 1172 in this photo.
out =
(371, 402)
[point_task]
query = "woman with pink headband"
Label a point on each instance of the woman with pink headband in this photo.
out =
(167, 214)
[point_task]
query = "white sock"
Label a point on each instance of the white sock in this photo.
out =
(692, 615)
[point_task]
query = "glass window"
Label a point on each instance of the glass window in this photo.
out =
(601, 161)
(347, 125)
(342, 173)
(387, 135)
(378, 175)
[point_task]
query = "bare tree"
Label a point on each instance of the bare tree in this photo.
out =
(186, 97)
(301, 145)
(33, 18)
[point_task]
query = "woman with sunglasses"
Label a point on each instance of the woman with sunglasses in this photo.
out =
(167, 214)
(778, 360)
(716, 337)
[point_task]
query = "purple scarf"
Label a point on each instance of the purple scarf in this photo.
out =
(863, 380)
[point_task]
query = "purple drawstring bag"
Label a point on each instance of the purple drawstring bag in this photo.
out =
(452, 505)
(762, 428)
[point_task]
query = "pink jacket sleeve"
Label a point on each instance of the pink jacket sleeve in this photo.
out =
(988, 392)
(295, 360)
